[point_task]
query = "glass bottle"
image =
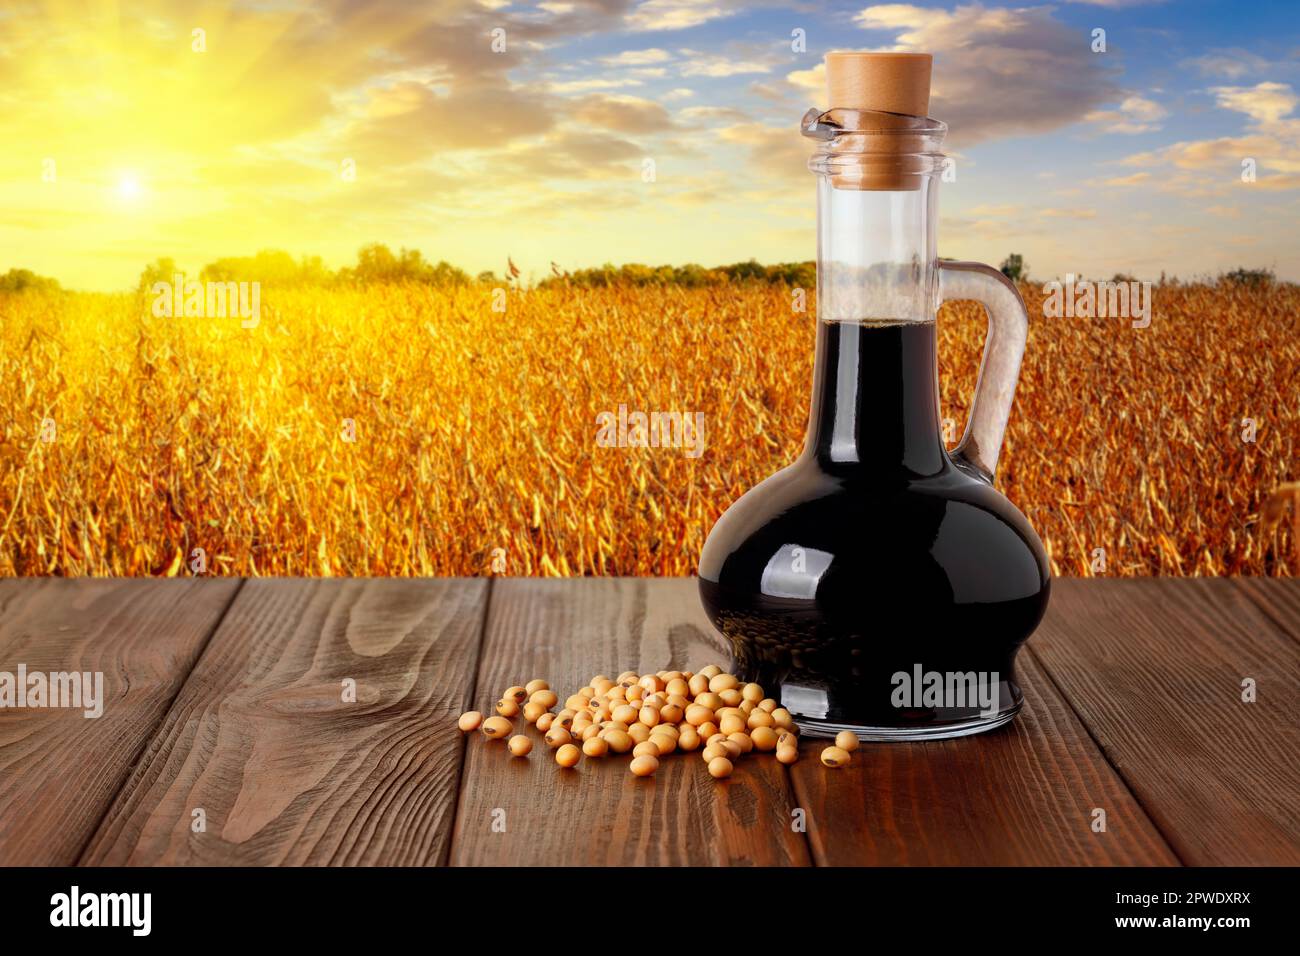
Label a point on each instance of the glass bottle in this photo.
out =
(880, 583)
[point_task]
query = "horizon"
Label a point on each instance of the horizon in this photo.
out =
(533, 277)
(632, 131)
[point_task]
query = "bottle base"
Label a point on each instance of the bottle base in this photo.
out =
(812, 727)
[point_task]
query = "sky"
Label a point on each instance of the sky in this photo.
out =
(476, 130)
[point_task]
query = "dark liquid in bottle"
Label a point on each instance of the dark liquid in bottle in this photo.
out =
(876, 584)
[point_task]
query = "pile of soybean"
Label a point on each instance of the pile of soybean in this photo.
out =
(652, 716)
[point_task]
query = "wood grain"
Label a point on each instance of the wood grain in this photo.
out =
(1133, 693)
(287, 771)
(1277, 598)
(597, 813)
(1021, 795)
(59, 770)
(1155, 669)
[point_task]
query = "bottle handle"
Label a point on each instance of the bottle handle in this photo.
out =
(995, 389)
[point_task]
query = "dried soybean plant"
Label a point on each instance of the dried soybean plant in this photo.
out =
(410, 431)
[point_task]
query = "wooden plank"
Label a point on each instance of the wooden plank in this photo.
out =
(1155, 668)
(599, 814)
(1277, 598)
(1021, 795)
(287, 771)
(59, 770)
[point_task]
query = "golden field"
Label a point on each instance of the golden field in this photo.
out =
(127, 441)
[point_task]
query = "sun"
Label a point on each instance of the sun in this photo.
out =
(128, 187)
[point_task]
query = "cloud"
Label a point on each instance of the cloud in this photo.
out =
(595, 83)
(776, 153)
(411, 120)
(675, 14)
(995, 212)
(1135, 114)
(1134, 179)
(623, 114)
(573, 155)
(1231, 64)
(1116, 4)
(810, 81)
(1264, 102)
(703, 64)
(645, 57)
(997, 72)
(1220, 153)
(713, 114)
(1068, 213)
(1212, 167)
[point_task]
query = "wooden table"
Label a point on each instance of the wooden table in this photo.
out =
(225, 707)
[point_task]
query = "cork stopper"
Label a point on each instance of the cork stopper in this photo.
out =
(885, 82)
(892, 89)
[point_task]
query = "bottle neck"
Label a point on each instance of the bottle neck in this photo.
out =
(876, 252)
(876, 399)
(876, 392)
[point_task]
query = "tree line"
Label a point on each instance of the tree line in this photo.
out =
(377, 264)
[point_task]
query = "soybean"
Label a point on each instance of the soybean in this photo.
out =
(710, 700)
(496, 727)
(697, 714)
(520, 745)
(846, 740)
(618, 741)
(731, 724)
(644, 765)
(721, 682)
(567, 756)
(469, 720)
(836, 757)
(545, 697)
